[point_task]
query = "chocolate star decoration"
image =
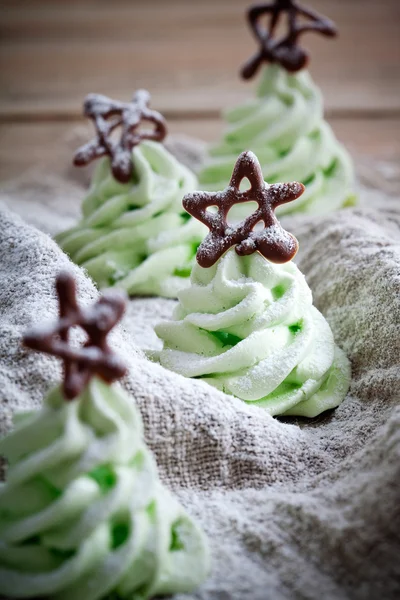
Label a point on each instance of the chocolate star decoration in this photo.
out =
(273, 242)
(95, 357)
(109, 114)
(284, 50)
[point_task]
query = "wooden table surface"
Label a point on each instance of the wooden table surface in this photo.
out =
(187, 54)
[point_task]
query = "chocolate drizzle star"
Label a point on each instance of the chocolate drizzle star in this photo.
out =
(95, 357)
(284, 51)
(273, 242)
(107, 115)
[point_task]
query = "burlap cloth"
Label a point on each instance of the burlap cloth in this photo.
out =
(293, 508)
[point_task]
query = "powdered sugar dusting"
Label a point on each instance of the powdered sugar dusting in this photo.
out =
(223, 236)
(332, 482)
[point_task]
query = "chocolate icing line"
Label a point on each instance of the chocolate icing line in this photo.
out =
(273, 242)
(95, 357)
(107, 115)
(285, 50)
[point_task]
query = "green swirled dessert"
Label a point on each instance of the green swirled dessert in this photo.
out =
(247, 325)
(83, 515)
(134, 232)
(284, 125)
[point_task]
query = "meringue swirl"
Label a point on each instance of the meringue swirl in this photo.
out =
(83, 513)
(285, 128)
(137, 235)
(249, 328)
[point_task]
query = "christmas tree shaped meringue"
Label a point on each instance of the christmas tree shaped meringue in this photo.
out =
(247, 325)
(83, 514)
(134, 233)
(284, 125)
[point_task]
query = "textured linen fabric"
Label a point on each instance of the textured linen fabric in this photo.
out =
(294, 508)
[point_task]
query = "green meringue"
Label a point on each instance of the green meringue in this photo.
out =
(137, 235)
(83, 513)
(249, 328)
(285, 128)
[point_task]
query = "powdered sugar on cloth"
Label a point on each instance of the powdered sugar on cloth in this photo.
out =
(293, 508)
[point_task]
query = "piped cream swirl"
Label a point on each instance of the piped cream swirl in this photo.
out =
(83, 513)
(285, 128)
(137, 235)
(249, 328)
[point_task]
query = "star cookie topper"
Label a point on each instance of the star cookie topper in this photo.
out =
(107, 115)
(95, 357)
(273, 242)
(285, 50)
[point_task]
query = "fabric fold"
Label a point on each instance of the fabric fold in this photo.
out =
(292, 508)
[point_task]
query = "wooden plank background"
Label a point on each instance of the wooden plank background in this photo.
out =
(187, 53)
